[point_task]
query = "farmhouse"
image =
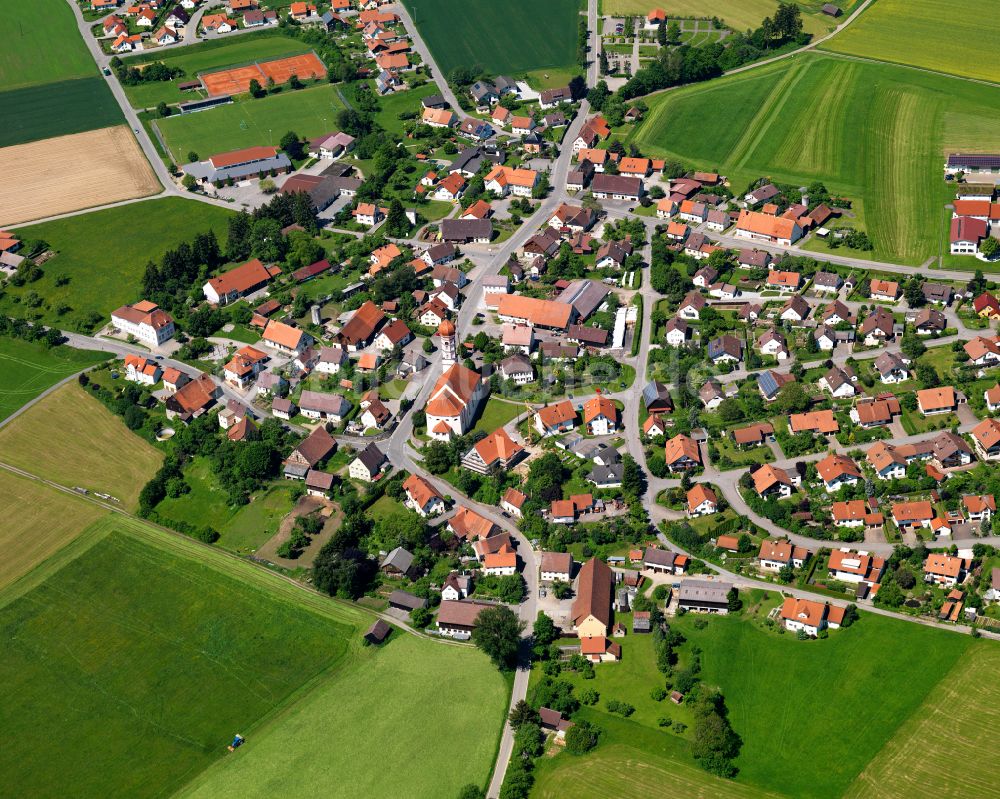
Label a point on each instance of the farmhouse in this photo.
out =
(239, 282)
(764, 227)
(458, 619)
(193, 398)
(315, 448)
(591, 610)
(616, 187)
(368, 465)
(244, 366)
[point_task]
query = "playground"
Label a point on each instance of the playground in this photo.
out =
(236, 80)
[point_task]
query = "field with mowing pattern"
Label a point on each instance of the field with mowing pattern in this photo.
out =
(103, 277)
(71, 438)
(954, 37)
(740, 14)
(308, 112)
(38, 522)
(391, 703)
(128, 670)
(33, 52)
(511, 38)
(70, 173)
(875, 133)
(920, 762)
(28, 368)
(204, 56)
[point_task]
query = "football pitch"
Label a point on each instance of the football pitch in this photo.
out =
(309, 112)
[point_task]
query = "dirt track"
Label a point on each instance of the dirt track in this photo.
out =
(69, 173)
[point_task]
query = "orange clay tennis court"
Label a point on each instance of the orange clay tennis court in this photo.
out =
(237, 80)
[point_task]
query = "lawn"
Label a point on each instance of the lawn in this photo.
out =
(919, 761)
(127, 671)
(366, 731)
(875, 133)
(391, 106)
(742, 457)
(71, 438)
(254, 524)
(38, 522)
(923, 33)
(496, 413)
(513, 37)
(103, 277)
(308, 112)
(28, 368)
(386, 506)
(57, 109)
(207, 57)
(29, 53)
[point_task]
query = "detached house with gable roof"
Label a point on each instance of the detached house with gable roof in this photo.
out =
(146, 321)
(422, 497)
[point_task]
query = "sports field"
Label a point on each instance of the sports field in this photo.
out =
(128, 670)
(513, 37)
(205, 56)
(41, 44)
(38, 522)
(103, 277)
(70, 173)
(28, 368)
(954, 37)
(308, 112)
(368, 730)
(740, 14)
(56, 109)
(876, 133)
(72, 439)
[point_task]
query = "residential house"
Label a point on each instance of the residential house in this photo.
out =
(512, 502)
(313, 450)
(837, 471)
(682, 453)
(772, 481)
(144, 371)
(892, 368)
(986, 437)
(285, 338)
(701, 501)
(331, 407)
(777, 553)
(368, 465)
(944, 570)
(809, 616)
(555, 419)
(600, 415)
(498, 451)
(767, 228)
(932, 401)
(556, 566)
(422, 497)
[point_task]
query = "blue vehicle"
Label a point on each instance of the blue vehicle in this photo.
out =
(237, 742)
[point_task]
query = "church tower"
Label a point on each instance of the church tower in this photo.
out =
(449, 345)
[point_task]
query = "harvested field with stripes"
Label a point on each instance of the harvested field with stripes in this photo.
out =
(70, 173)
(237, 80)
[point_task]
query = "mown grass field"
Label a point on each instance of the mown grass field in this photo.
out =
(875, 133)
(787, 699)
(308, 112)
(27, 368)
(41, 44)
(38, 522)
(513, 37)
(57, 109)
(204, 57)
(954, 37)
(72, 439)
(390, 702)
(939, 751)
(496, 413)
(127, 671)
(101, 276)
(740, 14)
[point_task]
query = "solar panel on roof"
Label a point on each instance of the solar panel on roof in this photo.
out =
(767, 383)
(978, 160)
